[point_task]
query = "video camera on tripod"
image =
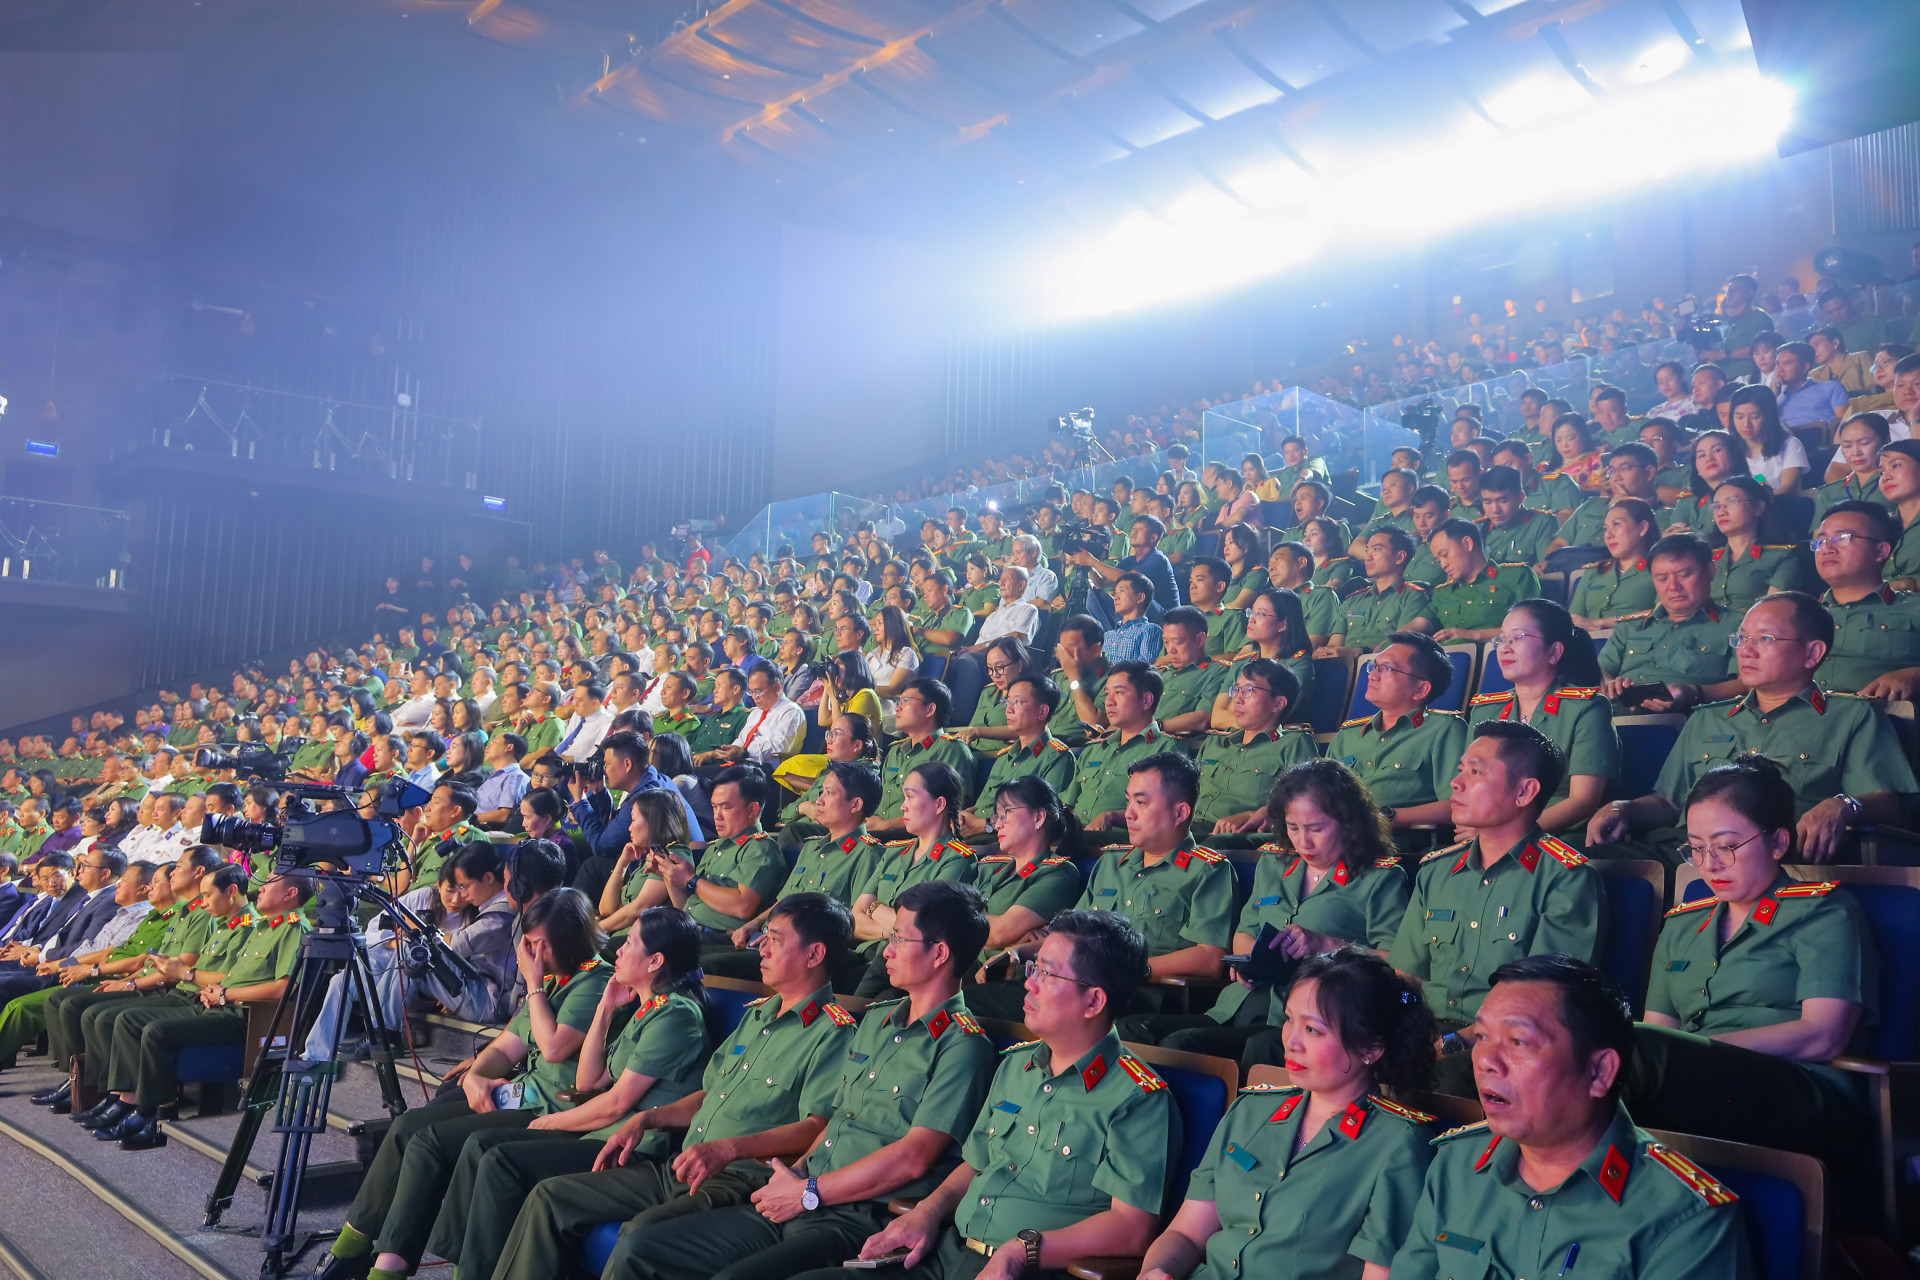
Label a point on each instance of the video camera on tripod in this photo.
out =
(254, 760)
(307, 836)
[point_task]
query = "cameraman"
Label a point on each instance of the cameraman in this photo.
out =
(628, 768)
(1146, 559)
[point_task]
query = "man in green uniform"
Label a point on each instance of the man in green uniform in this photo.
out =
(920, 714)
(1477, 593)
(911, 1084)
(1405, 752)
(1191, 679)
(1034, 752)
(742, 868)
(445, 825)
(1388, 604)
(1238, 766)
(1557, 1176)
(1876, 638)
(768, 1092)
(677, 690)
(1072, 1155)
(1431, 508)
(1839, 753)
(1300, 466)
(1513, 534)
(1682, 643)
(720, 726)
(1082, 679)
(1206, 586)
(944, 624)
(1098, 792)
(1512, 891)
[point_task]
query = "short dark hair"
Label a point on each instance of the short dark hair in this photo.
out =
(629, 746)
(1186, 617)
(751, 781)
(227, 876)
(1636, 452)
(1810, 618)
(1594, 1012)
(1109, 952)
(815, 917)
(860, 781)
(1279, 680)
(1141, 584)
(112, 860)
(462, 796)
(1144, 679)
(1430, 662)
(938, 696)
(1179, 775)
(1502, 478)
(1682, 546)
(1461, 531)
(538, 867)
(950, 912)
(1527, 753)
(1044, 689)
(478, 860)
(1882, 526)
(1086, 626)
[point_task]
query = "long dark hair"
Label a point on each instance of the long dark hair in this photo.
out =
(1368, 1005)
(1773, 436)
(1753, 786)
(1292, 615)
(674, 936)
(1061, 827)
(942, 783)
(1579, 664)
(571, 925)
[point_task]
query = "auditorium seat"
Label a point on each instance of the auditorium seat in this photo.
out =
(1645, 742)
(1462, 657)
(966, 677)
(1636, 903)
(1783, 1198)
(1326, 704)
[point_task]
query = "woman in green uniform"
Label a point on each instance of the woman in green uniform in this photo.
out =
(1332, 566)
(1756, 988)
(1745, 569)
(1555, 677)
(1860, 441)
(1900, 484)
(930, 800)
(1276, 629)
(1622, 583)
(1246, 557)
(1026, 883)
(659, 825)
(1717, 458)
(516, 1078)
(1317, 1180)
(655, 1059)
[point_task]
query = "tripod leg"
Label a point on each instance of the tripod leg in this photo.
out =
(360, 974)
(262, 1087)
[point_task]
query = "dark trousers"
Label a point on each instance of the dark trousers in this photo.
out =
(147, 1044)
(408, 1179)
(496, 1172)
(738, 1244)
(96, 1027)
(949, 1259)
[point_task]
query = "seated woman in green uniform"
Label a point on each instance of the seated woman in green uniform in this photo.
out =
(655, 1059)
(1555, 677)
(1622, 583)
(659, 825)
(931, 799)
(1854, 473)
(1334, 883)
(1756, 988)
(1900, 485)
(1246, 555)
(1276, 629)
(1028, 882)
(1717, 458)
(1332, 565)
(516, 1078)
(1319, 1179)
(1758, 559)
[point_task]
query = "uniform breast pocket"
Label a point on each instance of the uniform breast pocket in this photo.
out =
(1459, 1257)
(1443, 932)
(1068, 1160)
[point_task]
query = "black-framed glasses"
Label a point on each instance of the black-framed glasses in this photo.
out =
(1715, 855)
(1032, 969)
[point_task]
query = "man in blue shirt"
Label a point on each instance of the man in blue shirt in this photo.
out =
(1146, 559)
(1132, 636)
(1804, 403)
(628, 769)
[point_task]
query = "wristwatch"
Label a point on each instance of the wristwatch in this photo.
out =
(1073, 686)
(1854, 807)
(692, 880)
(1031, 1239)
(810, 1198)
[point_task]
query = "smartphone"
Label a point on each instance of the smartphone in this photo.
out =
(894, 1259)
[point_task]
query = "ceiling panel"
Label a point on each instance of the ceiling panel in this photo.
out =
(915, 80)
(996, 54)
(764, 32)
(1293, 42)
(1057, 139)
(1391, 25)
(1078, 28)
(1628, 46)
(1133, 111)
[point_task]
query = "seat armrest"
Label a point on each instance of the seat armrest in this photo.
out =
(1118, 1267)
(1864, 1066)
(577, 1096)
(905, 1204)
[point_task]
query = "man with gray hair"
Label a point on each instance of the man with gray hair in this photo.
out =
(1042, 583)
(1014, 615)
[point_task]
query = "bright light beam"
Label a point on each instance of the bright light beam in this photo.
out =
(1206, 244)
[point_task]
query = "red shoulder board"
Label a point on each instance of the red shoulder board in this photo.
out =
(1058, 862)
(997, 858)
(1695, 905)
(1818, 889)
(965, 1022)
(1142, 1074)
(1561, 852)
(1698, 1180)
(964, 850)
(1274, 848)
(1207, 855)
(755, 1004)
(841, 1018)
(1487, 699)
(1405, 1113)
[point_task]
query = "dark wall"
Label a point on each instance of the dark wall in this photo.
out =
(62, 648)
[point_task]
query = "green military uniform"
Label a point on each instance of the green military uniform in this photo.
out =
(1334, 571)
(666, 1038)
(1237, 772)
(1046, 886)
(752, 860)
(1654, 648)
(716, 729)
(1185, 899)
(1324, 1207)
(1558, 491)
(908, 754)
(1739, 582)
(979, 601)
(213, 940)
(1047, 758)
(837, 868)
(1226, 631)
(1696, 512)
(1824, 744)
(777, 1068)
(1190, 688)
(24, 1017)
(1878, 633)
(1905, 560)
(1676, 476)
(956, 618)
(1605, 590)
(1100, 782)
(1578, 721)
(1362, 905)
(898, 1074)
(683, 723)
(1288, 478)
(542, 736)
(426, 863)
(1480, 602)
(1300, 664)
(1409, 763)
(1525, 541)
(1065, 724)
(1326, 612)
(1633, 1208)
(1848, 489)
(896, 870)
(990, 712)
(184, 930)
(1467, 918)
(1423, 567)
(1370, 616)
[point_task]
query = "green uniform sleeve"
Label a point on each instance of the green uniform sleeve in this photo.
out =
(822, 1081)
(1396, 1194)
(1210, 909)
(1414, 607)
(1595, 748)
(1134, 1168)
(1710, 1244)
(1415, 1258)
(1058, 770)
(1659, 998)
(581, 999)
(1388, 891)
(1410, 952)
(671, 1043)
(958, 1087)
(1831, 949)
(766, 871)
(1875, 761)
(1570, 916)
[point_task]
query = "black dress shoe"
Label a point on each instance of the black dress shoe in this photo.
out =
(48, 1097)
(332, 1268)
(108, 1113)
(130, 1123)
(145, 1135)
(64, 1107)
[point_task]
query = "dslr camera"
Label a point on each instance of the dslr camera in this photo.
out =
(1082, 535)
(254, 760)
(593, 769)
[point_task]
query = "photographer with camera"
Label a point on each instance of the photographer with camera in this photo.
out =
(1078, 548)
(625, 766)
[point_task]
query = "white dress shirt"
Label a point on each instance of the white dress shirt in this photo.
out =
(413, 713)
(1019, 618)
(1042, 584)
(590, 732)
(772, 736)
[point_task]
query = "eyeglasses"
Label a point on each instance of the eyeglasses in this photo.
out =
(1398, 671)
(1739, 640)
(1730, 505)
(1839, 541)
(1508, 639)
(1715, 855)
(903, 939)
(1032, 969)
(999, 668)
(1242, 689)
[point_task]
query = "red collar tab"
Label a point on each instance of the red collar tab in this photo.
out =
(1286, 1108)
(808, 1014)
(847, 845)
(1182, 857)
(1340, 873)
(1714, 910)
(1351, 1122)
(1552, 703)
(1460, 863)
(1613, 1173)
(1292, 866)
(1765, 909)
(938, 849)
(939, 1022)
(742, 838)
(927, 743)
(1486, 1155)
(1713, 612)
(1095, 1072)
(1887, 593)
(1817, 699)
(1029, 869)
(1529, 855)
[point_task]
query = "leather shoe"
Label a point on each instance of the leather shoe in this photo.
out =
(130, 1123)
(145, 1136)
(111, 1111)
(332, 1268)
(48, 1097)
(64, 1107)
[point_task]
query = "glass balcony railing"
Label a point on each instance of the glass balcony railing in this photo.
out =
(57, 542)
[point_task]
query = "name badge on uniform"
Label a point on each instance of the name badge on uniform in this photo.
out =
(1676, 966)
(1266, 902)
(1347, 761)
(739, 1048)
(1454, 1240)
(1719, 737)
(1105, 893)
(889, 876)
(856, 1056)
(1011, 1108)
(1241, 1156)
(1440, 913)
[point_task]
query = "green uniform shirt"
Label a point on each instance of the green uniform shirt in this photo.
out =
(1654, 648)
(1045, 887)
(1100, 782)
(682, 723)
(1054, 1147)
(1878, 633)
(1739, 582)
(1370, 617)
(716, 729)
(1801, 942)
(1289, 477)
(751, 861)
(1663, 1216)
(1525, 541)
(1607, 591)
(1226, 631)
(187, 932)
(1586, 527)
(957, 618)
(1824, 744)
(269, 952)
(1848, 489)
(1466, 918)
(1696, 513)
(895, 870)
(1410, 763)
(1047, 758)
(900, 1074)
(1190, 688)
(908, 754)
(1183, 900)
(636, 879)
(1344, 1198)
(1578, 721)
(1065, 723)
(666, 1038)
(574, 1000)
(1325, 611)
(1237, 774)
(1905, 560)
(979, 601)
(1423, 567)
(147, 935)
(837, 868)
(542, 736)
(1363, 905)
(776, 1068)
(1558, 491)
(990, 712)
(1481, 602)
(1335, 571)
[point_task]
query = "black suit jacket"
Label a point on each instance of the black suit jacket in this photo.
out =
(11, 900)
(87, 921)
(57, 919)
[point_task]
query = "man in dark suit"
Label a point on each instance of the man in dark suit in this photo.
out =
(67, 894)
(12, 900)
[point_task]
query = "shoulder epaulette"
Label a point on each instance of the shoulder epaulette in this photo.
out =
(1405, 1113)
(1004, 750)
(1698, 1180)
(965, 850)
(966, 1022)
(755, 1004)
(841, 1018)
(1817, 889)
(1387, 862)
(1485, 699)
(1785, 546)
(1274, 848)
(1634, 617)
(1695, 905)
(1207, 855)
(1507, 564)
(1270, 1088)
(1456, 847)
(1441, 711)
(1478, 1126)
(1562, 852)
(895, 844)
(1143, 1075)
(1058, 745)
(998, 857)
(872, 839)
(887, 1004)
(1024, 1044)
(1348, 724)
(1590, 692)
(1057, 861)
